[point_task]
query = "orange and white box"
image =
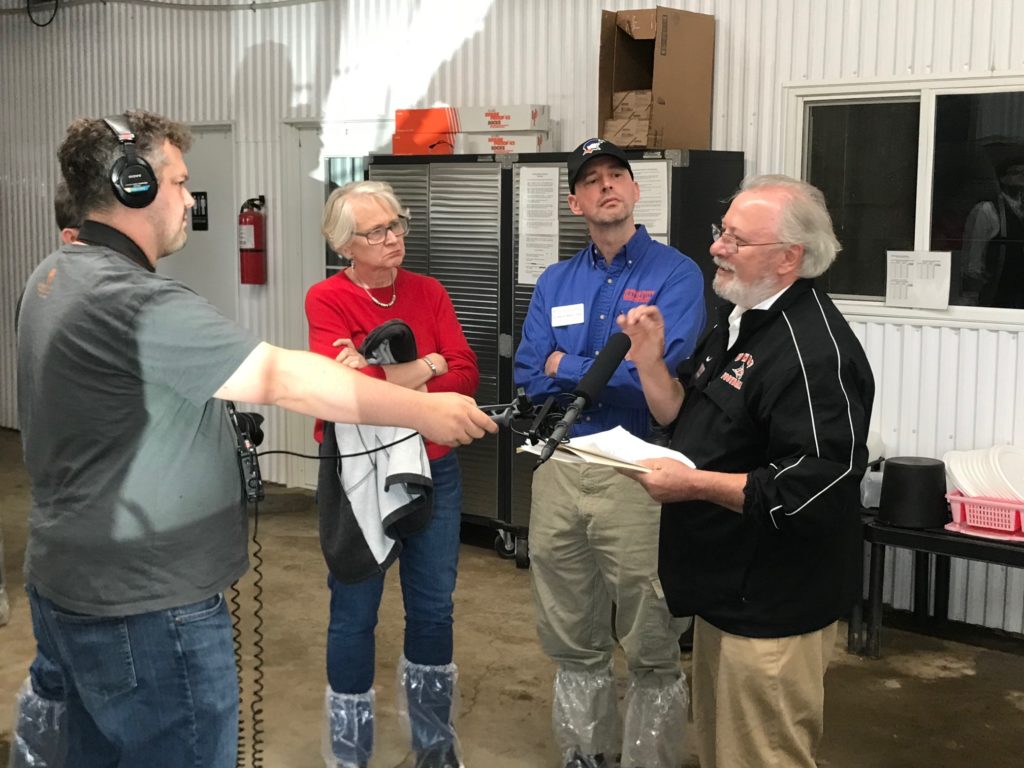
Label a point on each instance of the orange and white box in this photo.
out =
(417, 143)
(500, 143)
(516, 117)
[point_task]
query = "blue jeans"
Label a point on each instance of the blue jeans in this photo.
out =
(429, 560)
(155, 689)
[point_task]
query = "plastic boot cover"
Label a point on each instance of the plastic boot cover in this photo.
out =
(654, 727)
(40, 736)
(576, 760)
(427, 700)
(585, 716)
(348, 729)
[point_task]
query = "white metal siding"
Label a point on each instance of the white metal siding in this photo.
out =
(940, 389)
(345, 60)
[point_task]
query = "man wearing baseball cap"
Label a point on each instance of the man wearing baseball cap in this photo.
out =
(593, 538)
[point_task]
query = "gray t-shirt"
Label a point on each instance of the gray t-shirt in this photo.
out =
(137, 503)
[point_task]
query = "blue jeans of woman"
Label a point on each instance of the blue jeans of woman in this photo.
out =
(156, 688)
(427, 567)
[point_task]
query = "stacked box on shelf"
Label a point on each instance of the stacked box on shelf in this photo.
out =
(630, 122)
(472, 130)
(500, 143)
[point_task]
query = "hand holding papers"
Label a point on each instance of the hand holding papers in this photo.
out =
(614, 448)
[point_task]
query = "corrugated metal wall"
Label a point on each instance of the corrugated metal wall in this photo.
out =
(348, 60)
(940, 389)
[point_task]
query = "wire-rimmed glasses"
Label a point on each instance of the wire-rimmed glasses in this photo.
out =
(733, 243)
(399, 228)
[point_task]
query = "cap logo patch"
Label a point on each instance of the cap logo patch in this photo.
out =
(594, 145)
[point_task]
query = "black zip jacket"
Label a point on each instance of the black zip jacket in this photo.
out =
(789, 404)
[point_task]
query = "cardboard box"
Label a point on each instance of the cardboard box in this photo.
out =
(631, 104)
(500, 143)
(627, 131)
(517, 117)
(670, 52)
(417, 143)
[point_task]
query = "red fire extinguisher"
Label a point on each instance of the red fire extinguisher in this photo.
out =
(252, 250)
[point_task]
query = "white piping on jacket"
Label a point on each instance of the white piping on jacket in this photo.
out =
(849, 410)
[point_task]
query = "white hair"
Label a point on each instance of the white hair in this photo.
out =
(804, 220)
(337, 222)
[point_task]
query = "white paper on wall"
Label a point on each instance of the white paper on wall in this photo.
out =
(917, 279)
(538, 221)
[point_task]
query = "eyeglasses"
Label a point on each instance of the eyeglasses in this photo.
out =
(399, 228)
(733, 243)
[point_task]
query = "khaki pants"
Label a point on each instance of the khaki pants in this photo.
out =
(758, 702)
(594, 542)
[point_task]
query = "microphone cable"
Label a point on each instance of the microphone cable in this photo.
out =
(256, 705)
(254, 723)
(339, 455)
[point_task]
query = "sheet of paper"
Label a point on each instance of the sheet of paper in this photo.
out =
(619, 443)
(538, 221)
(918, 279)
(652, 209)
(576, 456)
(613, 447)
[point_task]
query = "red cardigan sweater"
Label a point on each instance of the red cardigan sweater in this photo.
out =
(337, 308)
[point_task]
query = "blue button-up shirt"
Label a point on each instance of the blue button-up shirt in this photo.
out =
(643, 272)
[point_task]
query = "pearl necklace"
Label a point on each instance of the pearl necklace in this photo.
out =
(374, 299)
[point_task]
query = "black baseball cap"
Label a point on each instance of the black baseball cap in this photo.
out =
(586, 152)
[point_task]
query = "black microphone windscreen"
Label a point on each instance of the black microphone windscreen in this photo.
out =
(604, 366)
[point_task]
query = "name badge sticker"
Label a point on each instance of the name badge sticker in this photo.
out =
(570, 314)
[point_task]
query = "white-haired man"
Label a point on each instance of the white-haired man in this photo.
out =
(762, 540)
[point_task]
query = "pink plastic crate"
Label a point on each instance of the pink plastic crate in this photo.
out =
(991, 514)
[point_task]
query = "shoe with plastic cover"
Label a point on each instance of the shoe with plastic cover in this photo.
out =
(577, 760)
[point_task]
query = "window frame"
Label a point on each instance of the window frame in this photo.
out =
(798, 97)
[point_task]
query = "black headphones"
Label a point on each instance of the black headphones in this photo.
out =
(131, 177)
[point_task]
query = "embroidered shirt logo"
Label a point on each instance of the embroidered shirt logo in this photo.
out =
(637, 295)
(734, 376)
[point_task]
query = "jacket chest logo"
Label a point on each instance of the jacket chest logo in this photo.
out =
(733, 376)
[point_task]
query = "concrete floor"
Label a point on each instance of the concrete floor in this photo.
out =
(927, 702)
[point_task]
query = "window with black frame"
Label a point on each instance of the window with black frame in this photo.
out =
(863, 156)
(978, 196)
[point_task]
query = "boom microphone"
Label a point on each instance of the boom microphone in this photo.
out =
(586, 392)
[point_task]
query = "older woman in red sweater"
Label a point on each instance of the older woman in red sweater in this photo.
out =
(365, 223)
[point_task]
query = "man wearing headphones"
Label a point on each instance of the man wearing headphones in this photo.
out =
(138, 521)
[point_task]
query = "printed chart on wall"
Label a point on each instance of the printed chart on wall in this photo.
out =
(538, 221)
(918, 279)
(652, 208)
